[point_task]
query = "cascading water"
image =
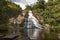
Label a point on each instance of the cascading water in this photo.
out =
(33, 26)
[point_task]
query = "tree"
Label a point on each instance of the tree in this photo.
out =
(41, 4)
(29, 7)
(8, 10)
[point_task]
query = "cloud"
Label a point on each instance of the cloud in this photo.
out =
(15, 0)
(23, 3)
(31, 1)
(46, 0)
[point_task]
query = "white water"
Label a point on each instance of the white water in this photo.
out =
(33, 26)
(34, 20)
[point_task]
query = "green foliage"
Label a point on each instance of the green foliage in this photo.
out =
(28, 7)
(52, 14)
(41, 4)
(7, 10)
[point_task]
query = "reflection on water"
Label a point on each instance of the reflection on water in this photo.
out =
(33, 26)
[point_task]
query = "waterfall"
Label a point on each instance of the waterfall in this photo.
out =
(33, 26)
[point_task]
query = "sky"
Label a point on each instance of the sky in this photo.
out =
(23, 3)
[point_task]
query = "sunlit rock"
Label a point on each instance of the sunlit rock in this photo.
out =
(11, 20)
(19, 19)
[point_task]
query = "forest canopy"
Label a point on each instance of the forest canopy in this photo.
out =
(8, 9)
